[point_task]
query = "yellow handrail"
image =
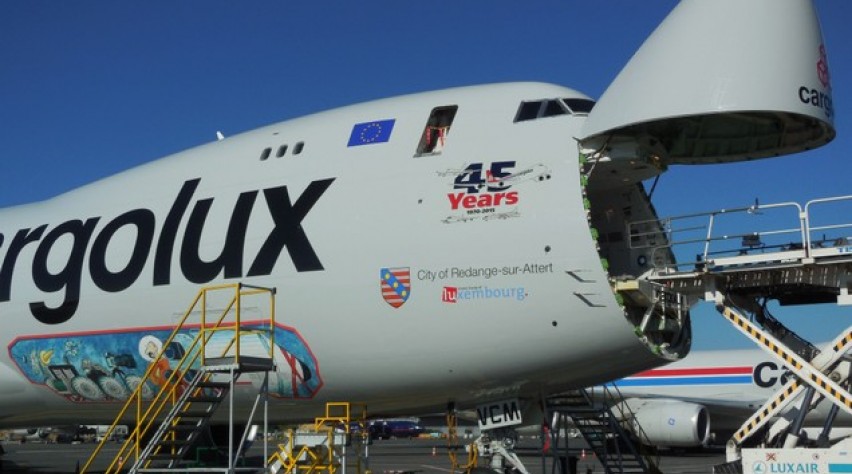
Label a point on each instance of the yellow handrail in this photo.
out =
(172, 386)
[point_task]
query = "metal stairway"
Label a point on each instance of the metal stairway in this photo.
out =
(192, 388)
(602, 430)
(189, 418)
(184, 426)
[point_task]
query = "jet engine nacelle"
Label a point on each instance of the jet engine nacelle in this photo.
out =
(670, 423)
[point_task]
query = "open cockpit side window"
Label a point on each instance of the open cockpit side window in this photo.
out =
(434, 136)
(536, 109)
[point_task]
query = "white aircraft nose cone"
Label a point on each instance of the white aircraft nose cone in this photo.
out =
(725, 80)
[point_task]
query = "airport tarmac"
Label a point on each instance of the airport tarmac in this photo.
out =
(424, 456)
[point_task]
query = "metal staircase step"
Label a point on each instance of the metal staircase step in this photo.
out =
(175, 443)
(592, 412)
(167, 453)
(241, 364)
(165, 457)
(213, 384)
(196, 414)
(625, 465)
(206, 399)
(186, 426)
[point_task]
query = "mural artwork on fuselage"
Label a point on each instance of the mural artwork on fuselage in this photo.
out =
(103, 366)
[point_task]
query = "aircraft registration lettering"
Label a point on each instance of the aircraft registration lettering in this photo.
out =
(499, 414)
(287, 232)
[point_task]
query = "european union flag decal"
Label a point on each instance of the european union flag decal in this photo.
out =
(368, 133)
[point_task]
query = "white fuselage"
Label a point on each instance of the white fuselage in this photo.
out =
(465, 245)
(493, 309)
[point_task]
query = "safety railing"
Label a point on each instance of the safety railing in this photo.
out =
(172, 376)
(614, 399)
(760, 233)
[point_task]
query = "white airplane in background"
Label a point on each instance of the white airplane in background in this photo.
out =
(46, 434)
(708, 395)
(490, 218)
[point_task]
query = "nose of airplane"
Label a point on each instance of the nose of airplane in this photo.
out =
(724, 81)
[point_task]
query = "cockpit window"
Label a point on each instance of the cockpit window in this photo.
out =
(541, 108)
(579, 106)
(553, 107)
(528, 111)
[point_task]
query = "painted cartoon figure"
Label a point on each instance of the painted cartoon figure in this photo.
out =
(149, 348)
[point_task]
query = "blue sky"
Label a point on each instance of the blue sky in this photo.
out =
(91, 88)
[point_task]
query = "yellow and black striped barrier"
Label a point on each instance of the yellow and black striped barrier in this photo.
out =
(806, 372)
(769, 409)
(790, 390)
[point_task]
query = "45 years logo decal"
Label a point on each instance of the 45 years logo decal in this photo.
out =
(486, 190)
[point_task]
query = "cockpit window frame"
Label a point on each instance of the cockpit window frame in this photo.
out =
(579, 105)
(545, 108)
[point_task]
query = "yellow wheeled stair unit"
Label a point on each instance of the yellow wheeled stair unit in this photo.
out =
(170, 424)
(323, 446)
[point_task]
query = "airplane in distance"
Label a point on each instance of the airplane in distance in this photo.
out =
(704, 398)
(44, 434)
(490, 218)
